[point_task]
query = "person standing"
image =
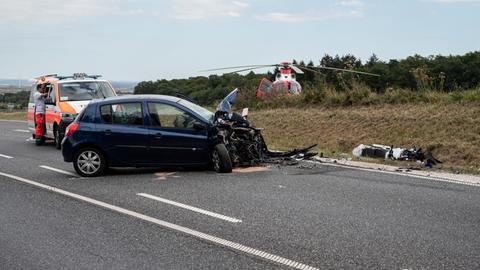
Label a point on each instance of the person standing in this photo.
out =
(39, 99)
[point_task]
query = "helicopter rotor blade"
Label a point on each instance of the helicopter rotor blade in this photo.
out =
(249, 66)
(351, 71)
(246, 69)
(339, 69)
(308, 68)
(297, 70)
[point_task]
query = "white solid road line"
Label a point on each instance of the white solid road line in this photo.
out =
(5, 156)
(396, 173)
(22, 130)
(58, 170)
(191, 208)
(203, 236)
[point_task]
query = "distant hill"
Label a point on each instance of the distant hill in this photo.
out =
(124, 86)
(15, 82)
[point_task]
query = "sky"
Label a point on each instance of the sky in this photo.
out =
(149, 40)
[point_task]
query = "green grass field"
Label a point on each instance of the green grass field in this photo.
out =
(450, 131)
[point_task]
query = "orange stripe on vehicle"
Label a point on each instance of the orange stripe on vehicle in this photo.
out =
(66, 108)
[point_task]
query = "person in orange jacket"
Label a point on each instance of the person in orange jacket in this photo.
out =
(39, 99)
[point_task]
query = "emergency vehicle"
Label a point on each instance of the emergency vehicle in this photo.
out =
(67, 96)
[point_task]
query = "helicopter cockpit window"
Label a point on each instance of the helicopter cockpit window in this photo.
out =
(280, 88)
(295, 88)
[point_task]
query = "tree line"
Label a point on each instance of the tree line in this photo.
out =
(19, 99)
(414, 73)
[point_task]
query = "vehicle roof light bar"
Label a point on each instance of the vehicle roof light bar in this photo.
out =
(79, 76)
(45, 76)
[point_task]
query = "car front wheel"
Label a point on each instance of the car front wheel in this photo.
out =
(89, 162)
(221, 159)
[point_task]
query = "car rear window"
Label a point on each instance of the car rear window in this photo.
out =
(122, 113)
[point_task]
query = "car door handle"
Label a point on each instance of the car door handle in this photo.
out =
(158, 135)
(108, 132)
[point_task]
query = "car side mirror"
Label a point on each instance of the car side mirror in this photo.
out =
(199, 126)
(49, 101)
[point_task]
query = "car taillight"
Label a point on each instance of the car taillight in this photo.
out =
(71, 129)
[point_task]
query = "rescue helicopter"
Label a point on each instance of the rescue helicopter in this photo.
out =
(285, 82)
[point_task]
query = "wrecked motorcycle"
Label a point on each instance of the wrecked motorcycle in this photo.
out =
(395, 153)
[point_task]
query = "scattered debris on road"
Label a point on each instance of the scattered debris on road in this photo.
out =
(389, 152)
(164, 175)
(252, 169)
(245, 143)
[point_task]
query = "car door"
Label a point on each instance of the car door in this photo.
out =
(50, 109)
(123, 134)
(173, 138)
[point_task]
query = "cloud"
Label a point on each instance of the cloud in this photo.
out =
(35, 12)
(350, 3)
(205, 9)
(455, 1)
(340, 9)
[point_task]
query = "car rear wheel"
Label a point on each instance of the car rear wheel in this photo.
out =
(89, 162)
(221, 159)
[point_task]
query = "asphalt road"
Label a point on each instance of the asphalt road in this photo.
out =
(305, 217)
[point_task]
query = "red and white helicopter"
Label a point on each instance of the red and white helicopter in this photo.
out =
(285, 83)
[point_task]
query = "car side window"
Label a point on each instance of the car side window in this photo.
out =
(168, 116)
(52, 95)
(106, 114)
(122, 113)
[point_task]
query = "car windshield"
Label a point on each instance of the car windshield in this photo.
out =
(76, 91)
(204, 113)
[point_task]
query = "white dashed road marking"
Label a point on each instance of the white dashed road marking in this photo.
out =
(22, 130)
(203, 236)
(5, 156)
(191, 208)
(58, 170)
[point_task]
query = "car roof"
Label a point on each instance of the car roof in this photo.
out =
(79, 80)
(54, 79)
(137, 98)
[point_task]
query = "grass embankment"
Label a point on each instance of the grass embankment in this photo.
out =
(22, 116)
(450, 130)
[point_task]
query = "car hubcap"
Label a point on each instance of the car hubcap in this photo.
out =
(89, 162)
(216, 161)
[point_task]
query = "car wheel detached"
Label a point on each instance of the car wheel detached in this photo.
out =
(221, 159)
(89, 162)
